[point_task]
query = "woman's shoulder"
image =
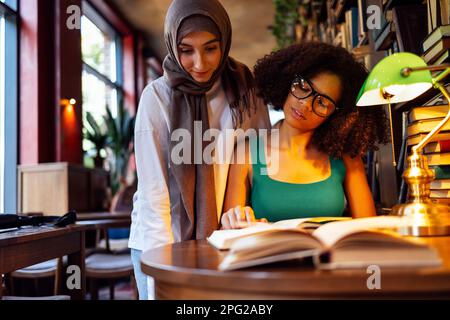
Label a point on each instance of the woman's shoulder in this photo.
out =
(154, 105)
(157, 88)
(352, 163)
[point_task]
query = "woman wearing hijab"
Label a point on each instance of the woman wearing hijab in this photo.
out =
(177, 201)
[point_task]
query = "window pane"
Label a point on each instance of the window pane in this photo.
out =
(98, 47)
(2, 112)
(8, 110)
(96, 97)
(11, 3)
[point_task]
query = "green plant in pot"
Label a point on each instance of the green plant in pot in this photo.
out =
(119, 144)
(98, 136)
(114, 135)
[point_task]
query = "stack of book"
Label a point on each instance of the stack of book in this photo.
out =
(421, 121)
(436, 46)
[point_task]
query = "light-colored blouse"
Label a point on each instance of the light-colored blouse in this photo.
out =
(156, 203)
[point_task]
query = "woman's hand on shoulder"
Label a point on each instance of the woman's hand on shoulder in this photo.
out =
(239, 217)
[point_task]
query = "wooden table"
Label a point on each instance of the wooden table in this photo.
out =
(103, 216)
(188, 270)
(32, 245)
(29, 246)
(104, 223)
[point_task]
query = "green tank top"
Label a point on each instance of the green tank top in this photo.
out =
(276, 200)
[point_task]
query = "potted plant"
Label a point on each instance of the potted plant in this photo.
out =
(119, 145)
(98, 136)
(115, 135)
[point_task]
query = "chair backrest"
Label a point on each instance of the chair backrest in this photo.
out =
(123, 200)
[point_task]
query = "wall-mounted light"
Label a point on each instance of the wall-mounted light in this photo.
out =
(68, 102)
(68, 115)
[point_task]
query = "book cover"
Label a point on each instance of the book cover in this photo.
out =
(441, 172)
(352, 22)
(425, 126)
(415, 139)
(434, 14)
(435, 35)
(445, 11)
(437, 50)
(442, 193)
(444, 57)
(445, 201)
(440, 184)
(438, 146)
(436, 159)
(428, 112)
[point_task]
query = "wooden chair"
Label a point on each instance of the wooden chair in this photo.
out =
(47, 269)
(104, 264)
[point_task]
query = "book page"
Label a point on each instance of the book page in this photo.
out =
(330, 233)
(295, 223)
(223, 239)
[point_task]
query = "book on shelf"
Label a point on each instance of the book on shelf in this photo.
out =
(435, 35)
(351, 23)
(385, 39)
(439, 184)
(441, 172)
(445, 201)
(443, 58)
(434, 14)
(353, 243)
(425, 126)
(437, 159)
(437, 146)
(362, 18)
(428, 112)
(415, 139)
(441, 193)
(435, 52)
(445, 11)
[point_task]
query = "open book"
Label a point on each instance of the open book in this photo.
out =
(354, 243)
(223, 239)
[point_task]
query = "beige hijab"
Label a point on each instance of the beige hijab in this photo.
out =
(188, 104)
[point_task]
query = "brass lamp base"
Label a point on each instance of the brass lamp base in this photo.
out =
(428, 219)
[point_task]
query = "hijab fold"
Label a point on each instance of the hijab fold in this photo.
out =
(188, 104)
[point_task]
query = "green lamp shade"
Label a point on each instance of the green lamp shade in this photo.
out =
(386, 76)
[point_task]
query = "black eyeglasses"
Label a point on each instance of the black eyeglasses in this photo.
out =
(322, 104)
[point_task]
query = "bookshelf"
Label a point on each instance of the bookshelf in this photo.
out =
(403, 26)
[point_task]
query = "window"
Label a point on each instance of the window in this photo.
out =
(101, 80)
(8, 105)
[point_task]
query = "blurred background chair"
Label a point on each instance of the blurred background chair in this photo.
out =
(111, 259)
(37, 272)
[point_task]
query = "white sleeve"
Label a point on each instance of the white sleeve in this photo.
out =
(152, 201)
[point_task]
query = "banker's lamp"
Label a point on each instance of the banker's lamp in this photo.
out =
(397, 78)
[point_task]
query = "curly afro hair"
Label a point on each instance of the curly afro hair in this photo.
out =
(351, 130)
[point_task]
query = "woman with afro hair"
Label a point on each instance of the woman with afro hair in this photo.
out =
(321, 140)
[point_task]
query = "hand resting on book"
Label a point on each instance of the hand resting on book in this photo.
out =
(239, 217)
